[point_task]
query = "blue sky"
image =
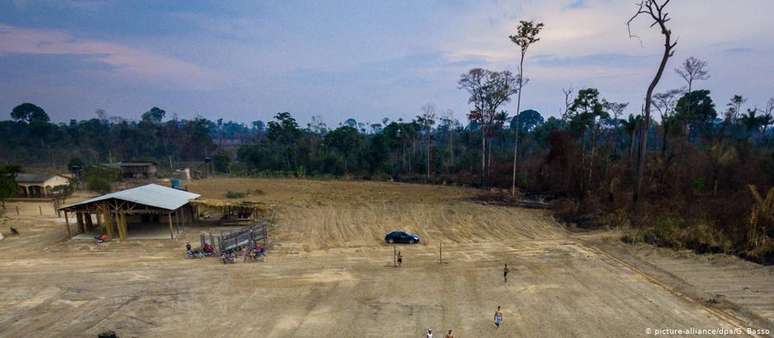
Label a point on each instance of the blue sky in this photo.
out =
(247, 60)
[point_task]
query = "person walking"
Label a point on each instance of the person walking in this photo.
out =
(498, 317)
(449, 335)
(429, 333)
(400, 259)
(505, 273)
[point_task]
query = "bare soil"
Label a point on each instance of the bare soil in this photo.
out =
(328, 274)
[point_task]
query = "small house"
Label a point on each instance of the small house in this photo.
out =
(40, 185)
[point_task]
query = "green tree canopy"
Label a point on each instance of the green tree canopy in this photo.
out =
(29, 113)
(7, 182)
(155, 115)
(528, 120)
(696, 108)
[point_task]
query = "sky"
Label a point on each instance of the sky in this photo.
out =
(361, 59)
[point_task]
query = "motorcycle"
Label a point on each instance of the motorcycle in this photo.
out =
(228, 258)
(191, 254)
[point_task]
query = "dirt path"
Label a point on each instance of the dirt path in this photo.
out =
(329, 275)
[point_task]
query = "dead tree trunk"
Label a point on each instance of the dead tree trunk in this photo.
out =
(654, 9)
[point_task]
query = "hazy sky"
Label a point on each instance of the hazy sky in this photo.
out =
(247, 60)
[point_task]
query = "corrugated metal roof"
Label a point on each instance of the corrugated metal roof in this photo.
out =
(32, 178)
(153, 195)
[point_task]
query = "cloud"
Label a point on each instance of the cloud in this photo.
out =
(598, 26)
(123, 61)
(738, 50)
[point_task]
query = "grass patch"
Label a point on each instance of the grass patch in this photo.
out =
(235, 194)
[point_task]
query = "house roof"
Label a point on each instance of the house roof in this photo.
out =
(152, 195)
(137, 164)
(130, 164)
(32, 178)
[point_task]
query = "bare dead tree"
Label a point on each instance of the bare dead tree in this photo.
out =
(567, 102)
(768, 115)
(655, 11)
(693, 69)
(526, 35)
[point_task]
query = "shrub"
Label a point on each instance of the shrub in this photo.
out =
(235, 194)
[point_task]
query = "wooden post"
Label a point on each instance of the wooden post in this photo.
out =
(118, 226)
(394, 256)
(121, 218)
(79, 219)
(171, 230)
(67, 224)
(177, 220)
(89, 222)
(123, 225)
(107, 220)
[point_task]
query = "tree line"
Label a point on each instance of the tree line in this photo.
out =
(682, 168)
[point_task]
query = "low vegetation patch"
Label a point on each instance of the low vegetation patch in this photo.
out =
(236, 194)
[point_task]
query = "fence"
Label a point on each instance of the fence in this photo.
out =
(242, 238)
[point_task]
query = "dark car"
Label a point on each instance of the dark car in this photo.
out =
(401, 237)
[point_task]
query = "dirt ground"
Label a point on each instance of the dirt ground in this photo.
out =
(328, 274)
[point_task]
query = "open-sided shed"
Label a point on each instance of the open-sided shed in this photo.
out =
(115, 210)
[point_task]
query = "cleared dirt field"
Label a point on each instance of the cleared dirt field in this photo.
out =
(329, 275)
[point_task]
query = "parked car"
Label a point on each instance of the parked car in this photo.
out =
(401, 237)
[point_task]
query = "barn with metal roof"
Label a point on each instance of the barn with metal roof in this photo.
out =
(147, 204)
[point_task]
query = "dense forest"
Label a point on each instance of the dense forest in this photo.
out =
(683, 169)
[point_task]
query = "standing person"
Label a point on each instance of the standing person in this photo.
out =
(429, 333)
(498, 317)
(449, 335)
(505, 273)
(400, 259)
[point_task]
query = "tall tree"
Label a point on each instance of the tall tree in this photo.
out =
(586, 110)
(567, 102)
(488, 91)
(693, 69)
(29, 113)
(631, 126)
(449, 125)
(346, 140)
(526, 35)
(655, 10)
(665, 104)
(427, 119)
(695, 110)
(734, 107)
(155, 115)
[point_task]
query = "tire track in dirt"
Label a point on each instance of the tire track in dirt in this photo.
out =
(722, 315)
